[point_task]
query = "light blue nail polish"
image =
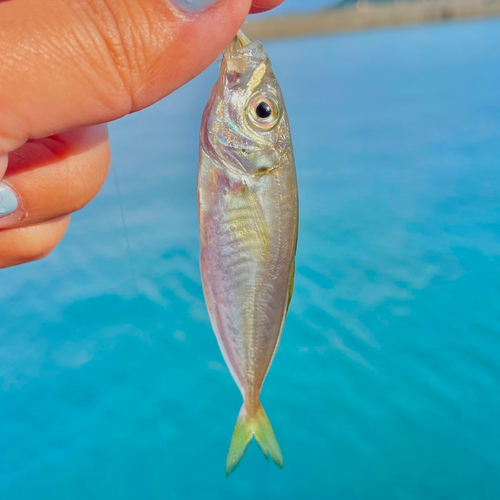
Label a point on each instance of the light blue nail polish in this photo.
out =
(8, 200)
(193, 5)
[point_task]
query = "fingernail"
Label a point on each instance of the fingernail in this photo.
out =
(8, 200)
(193, 5)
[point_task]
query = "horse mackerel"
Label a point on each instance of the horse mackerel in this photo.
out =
(248, 218)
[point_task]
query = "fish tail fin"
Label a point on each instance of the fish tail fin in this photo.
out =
(248, 426)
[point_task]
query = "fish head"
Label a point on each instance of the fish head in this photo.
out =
(246, 125)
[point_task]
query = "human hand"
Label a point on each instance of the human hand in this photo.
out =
(69, 66)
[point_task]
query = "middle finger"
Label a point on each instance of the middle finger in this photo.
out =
(55, 176)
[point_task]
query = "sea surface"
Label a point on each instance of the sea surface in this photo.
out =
(386, 384)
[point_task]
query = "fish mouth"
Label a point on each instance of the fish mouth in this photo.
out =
(239, 41)
(242, 54)
(242, 38)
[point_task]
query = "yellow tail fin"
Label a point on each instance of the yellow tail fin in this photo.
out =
(248, 426)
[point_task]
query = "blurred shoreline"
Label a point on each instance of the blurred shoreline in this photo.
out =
(364, 15)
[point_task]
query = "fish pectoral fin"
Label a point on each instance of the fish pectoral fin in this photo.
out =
(248, 426)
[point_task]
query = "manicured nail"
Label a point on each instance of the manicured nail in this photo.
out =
(8, 200)
(193, 5)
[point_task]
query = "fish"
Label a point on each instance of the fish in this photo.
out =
(248, 226)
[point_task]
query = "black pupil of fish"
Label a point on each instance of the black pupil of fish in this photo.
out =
(263, 110)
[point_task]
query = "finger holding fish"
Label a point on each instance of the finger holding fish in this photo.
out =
(70, 65)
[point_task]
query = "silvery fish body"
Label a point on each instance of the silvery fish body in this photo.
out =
(248, 217)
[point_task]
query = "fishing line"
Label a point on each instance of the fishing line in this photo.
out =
(125, 230)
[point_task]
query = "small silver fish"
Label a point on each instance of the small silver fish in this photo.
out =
(248, 218)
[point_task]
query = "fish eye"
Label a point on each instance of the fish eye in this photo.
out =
(264, 112)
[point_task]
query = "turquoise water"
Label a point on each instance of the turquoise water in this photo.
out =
(386, 383)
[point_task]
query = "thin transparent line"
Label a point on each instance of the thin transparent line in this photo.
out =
(125, 230)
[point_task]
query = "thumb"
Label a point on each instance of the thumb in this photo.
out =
(72, 63)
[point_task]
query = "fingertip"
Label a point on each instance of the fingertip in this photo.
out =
(200, 37)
